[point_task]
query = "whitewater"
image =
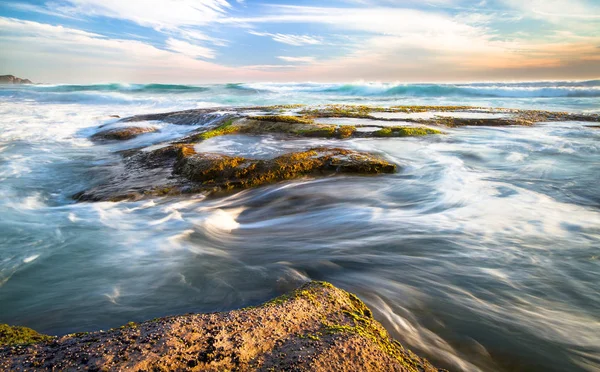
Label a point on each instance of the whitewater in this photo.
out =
(481, 254)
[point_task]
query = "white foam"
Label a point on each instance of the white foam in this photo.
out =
(222, 220)
(516, 157)
(31, 258)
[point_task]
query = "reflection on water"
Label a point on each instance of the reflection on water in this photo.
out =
(482, 253)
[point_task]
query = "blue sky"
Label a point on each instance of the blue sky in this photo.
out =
(202, 41)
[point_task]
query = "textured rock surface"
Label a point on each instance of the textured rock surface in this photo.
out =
(122, 134)
(20, 335)
(178, 169)
(316, 328)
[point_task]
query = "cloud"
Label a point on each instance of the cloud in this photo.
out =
(158, 14)
(296, 40)
(298, 59)
(197, 35)
(553, 10)
(26, 7)
(188, 49)
(269, 67)
(50, 53)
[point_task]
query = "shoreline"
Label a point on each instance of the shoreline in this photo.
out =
(315, 327)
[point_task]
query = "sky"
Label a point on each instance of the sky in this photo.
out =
(219, 41)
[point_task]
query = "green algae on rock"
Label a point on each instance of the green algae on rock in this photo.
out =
(122, 134)
(308, 114)
(283, 119)
(183, 171)
(237, 172)
(405, 131)
(316, 327)
(300, 127)
(15, 335)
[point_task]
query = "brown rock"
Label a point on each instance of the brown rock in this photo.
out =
(178, 169)
(316, 328)
(122, 134)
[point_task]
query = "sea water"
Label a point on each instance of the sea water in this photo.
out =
(481, 253)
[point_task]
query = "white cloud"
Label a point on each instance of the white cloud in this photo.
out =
(48, 53)
(557, 9)
(290, 39)
(269, 67)
(297, 59)
(26, 7)
(159, 14)
(188, 49)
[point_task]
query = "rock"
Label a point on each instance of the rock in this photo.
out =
(122, 134)
(229, 172)
(315, 328)
(20, 335)
(178, 169)
(311, 114)
(299, 127)
(11, 79)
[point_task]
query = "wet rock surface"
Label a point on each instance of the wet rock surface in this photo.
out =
(315, 328)
(178, 169)
(175, 168)
(122, 134)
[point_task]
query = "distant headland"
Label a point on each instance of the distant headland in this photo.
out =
(11, 79)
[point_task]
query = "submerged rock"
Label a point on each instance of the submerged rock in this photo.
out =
(315, 328)
(122, 134)
(178, 169)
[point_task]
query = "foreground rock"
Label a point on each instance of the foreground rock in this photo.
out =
(316, 328)
(122, 134)
(178, 169)
(11, 79)
(20, 335)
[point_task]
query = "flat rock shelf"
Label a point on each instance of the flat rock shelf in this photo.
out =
(175, 167)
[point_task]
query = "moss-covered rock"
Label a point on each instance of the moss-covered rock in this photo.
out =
(307, 114)
(236, 172)
(122, 134)
(283, 119)
(301, 127)
(317, 327)
(405, 131)
(178, 169)
(15, 335)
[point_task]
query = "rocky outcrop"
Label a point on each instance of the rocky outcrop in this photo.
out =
(315, 328)
(301, 127)
(303, 120)
(122, 134)
(237, 172)
(11, 79)
(178, 169)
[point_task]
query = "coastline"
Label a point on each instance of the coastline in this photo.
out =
(316, 327)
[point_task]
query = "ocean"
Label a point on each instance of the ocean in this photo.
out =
(481, 254)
